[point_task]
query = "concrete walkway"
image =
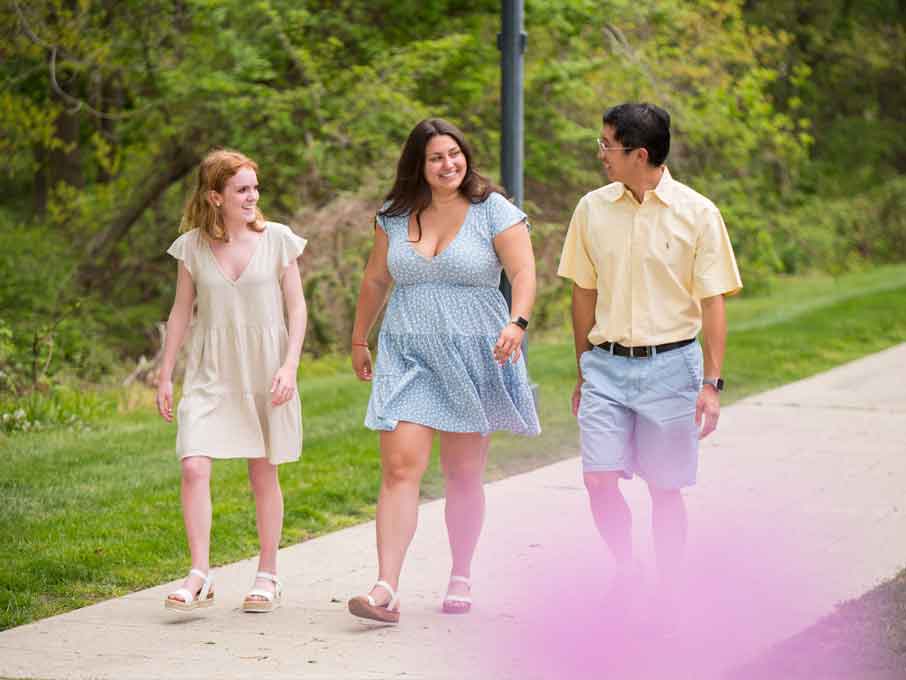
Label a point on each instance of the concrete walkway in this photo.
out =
(801, 504)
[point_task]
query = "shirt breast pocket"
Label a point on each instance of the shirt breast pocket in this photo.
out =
(672, 247)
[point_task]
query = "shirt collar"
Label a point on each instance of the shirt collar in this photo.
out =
(663, 190)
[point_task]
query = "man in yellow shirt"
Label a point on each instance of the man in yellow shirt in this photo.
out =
(651, 262)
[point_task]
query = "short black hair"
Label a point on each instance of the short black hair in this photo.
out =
(641, 126)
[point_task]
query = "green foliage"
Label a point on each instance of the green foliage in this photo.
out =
(49, 333)
(787, 115)
(853, 59)
(838, 234)
(64, 406)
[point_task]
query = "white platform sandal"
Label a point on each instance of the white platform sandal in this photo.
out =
(458, 604)
(187, 600)
(365, 607)
(270, 600)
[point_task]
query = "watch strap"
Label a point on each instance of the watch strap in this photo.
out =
(716, 383)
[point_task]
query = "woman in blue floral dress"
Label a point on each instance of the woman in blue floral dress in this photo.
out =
(448, 356)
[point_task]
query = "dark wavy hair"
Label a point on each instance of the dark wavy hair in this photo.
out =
(410, 192)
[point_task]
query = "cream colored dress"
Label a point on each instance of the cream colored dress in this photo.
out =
(238, 342)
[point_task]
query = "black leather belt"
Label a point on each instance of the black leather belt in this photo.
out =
(643, 351)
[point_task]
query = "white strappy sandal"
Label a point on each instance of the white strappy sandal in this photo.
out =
(457, 604)
(189, 601)
(270, 600)
(365, 607)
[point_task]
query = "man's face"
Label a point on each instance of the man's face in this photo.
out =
(619, 164)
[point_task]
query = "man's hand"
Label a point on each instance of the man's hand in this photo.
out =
(707, 410)
(577, 396)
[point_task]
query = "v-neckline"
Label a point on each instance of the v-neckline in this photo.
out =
(446, 247)
(234, 282)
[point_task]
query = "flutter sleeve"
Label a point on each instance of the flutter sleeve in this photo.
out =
(382, 220)
(290, 246)
(183, 250)
(502, 214)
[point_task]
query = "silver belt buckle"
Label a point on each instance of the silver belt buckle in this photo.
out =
(649, 352)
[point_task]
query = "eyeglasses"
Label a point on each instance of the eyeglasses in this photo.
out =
(604, 148)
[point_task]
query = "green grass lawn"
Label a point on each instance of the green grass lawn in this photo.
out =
(90, 515)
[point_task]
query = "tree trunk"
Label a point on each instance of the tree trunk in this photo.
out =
(171, 166)
(39, 195)
(65, 164)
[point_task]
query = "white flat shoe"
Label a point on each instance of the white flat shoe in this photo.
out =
(189, 601)
(365, 607)
(270, 600)
(457, 604)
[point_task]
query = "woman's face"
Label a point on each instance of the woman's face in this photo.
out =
(445, 164)
(239, 198)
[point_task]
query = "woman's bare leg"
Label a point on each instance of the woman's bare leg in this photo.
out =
(463, 458)
(405, 453)
(269, 516)
(195, 492)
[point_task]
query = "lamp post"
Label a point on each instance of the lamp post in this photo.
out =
(511, 41)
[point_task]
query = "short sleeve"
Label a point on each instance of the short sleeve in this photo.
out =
(714, 271)
(290, 245)
(575, 260)
(381, 220)
(502, 214)
(182, 250)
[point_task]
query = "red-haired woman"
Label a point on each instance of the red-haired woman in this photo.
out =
(241, 276)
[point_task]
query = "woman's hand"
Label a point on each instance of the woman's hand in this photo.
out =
(165, 399)
(361, 362)
(509, 344)
(283, 386)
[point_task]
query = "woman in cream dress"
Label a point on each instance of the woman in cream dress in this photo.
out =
(240, 274)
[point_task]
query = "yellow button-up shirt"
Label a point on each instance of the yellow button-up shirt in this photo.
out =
(651, 263)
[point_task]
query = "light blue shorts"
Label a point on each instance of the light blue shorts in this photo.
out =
(637, 415)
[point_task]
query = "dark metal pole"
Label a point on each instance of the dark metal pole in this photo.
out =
(511, 41)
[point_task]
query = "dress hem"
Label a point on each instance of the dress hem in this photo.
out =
(233, 456)
(377, 428)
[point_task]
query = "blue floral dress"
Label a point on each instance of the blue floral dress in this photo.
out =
(435, 363)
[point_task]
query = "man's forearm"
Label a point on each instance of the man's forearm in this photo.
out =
(714, 334)
(583, 312)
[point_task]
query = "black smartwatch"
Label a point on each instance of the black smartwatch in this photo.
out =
(716, 383)
(520, 321)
